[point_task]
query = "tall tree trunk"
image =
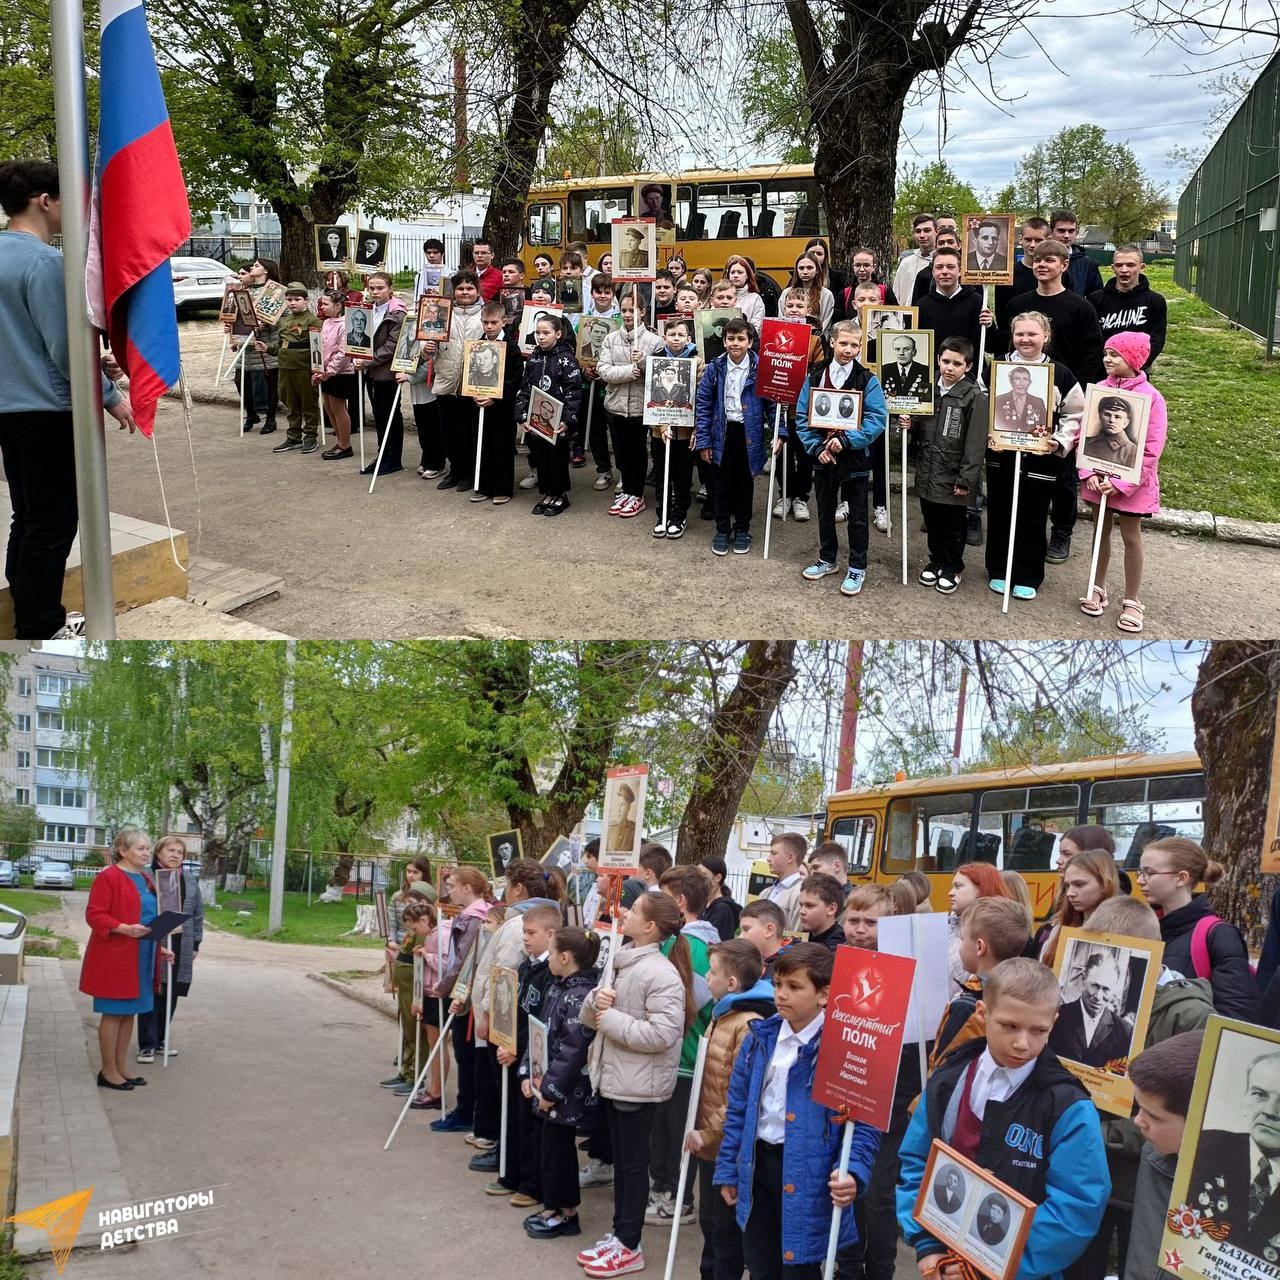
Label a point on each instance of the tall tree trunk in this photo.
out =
(538, 40)
(724, 765)
(1234, 709)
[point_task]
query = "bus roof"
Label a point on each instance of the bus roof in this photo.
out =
(1121, 766)
(755, 172)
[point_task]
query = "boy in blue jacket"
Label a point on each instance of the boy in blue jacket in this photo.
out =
(730, 436)
(1009, 1105)
(842, 459)
(778, 1161)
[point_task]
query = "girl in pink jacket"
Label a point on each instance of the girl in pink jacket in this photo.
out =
(1127, 502)
(337, 379)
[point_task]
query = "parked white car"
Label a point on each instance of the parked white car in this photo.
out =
(199, 282)
(53, 875)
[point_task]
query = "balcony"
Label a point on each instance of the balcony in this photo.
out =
(47, 777)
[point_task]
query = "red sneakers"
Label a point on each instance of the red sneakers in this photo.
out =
(617, 1262)
(597, 1250)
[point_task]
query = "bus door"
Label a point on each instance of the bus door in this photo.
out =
(929, 834)
(544, 226)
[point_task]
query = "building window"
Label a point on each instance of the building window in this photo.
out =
(24, 759)
(24, 686)
(58, 758)
(62, 797)
(46, 683)
(62, 833)
(51, 720)
(242, 212)
(22, 723)
(22, 795)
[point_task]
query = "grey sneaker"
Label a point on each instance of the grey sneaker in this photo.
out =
(1059, 549)
(72, 629)
(530, 481)
(603, 480)
(287, 446)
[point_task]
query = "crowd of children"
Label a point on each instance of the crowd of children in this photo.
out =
(624, 1007)
(1041, 319)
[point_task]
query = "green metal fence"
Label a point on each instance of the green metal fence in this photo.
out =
(1228, 246)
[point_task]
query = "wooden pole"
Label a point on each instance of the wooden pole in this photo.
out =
(1013, 524)
(475, 483)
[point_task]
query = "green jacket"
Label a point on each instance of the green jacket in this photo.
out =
(699, 935)
(1184, 1005)
(295, 345)
(952, 443)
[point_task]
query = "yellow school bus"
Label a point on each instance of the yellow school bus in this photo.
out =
(765, 212)
(1014, 818)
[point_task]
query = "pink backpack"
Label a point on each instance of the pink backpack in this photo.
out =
(1200, 936)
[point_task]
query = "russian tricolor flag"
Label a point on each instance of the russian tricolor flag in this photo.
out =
(140, 213)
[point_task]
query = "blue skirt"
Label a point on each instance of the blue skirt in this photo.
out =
(144, 1001)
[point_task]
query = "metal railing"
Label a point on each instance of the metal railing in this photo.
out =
(16, 931)
(1224, 254)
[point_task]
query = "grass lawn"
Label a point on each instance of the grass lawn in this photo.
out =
(31, 902)
(44, 942)
(322, 923)
(1223, 453)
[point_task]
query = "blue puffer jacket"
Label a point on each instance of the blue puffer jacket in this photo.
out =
(810, 1152)
(710, 412)
(566, 1083)
(856, 457)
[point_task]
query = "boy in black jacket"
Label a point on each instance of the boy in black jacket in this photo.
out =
(951, 443)
(497, 447)
(524, 1184)
(952, 309)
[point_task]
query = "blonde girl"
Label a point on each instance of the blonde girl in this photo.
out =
(1090, 878)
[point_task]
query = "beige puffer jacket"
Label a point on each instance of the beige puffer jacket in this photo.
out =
(623, 396)
(636, 1056)
(447, 365)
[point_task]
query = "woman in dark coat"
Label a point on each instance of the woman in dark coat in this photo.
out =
(722, 911)
(169, 855)
(120, 970)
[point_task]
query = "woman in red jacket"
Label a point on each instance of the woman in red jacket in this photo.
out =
(120, 971)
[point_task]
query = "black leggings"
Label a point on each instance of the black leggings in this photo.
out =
(464, 1054)
(559, 1162)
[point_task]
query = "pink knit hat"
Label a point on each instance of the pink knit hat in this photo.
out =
(1133, 348)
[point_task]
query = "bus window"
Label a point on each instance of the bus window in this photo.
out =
(792, 208)
(927, 833)
(1019, 828)
(684, 207)
(591, 212)
(727, 210)
(858, 838)
(1139, 810)
(544, 224)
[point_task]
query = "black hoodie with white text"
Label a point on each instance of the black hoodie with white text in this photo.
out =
(1141, 310)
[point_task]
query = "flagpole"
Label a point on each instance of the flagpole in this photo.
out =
(67, 30)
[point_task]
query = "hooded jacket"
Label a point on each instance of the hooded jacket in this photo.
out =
(1151, 1196)
(700, 935)
(557, 373)
(462, 937)
(333, 335)
(637, 1054)
(730, 1019)
(1141, 310)
(567, 1082)
(952, 441)
(624, 395)
(1082, 274)
(446, 364)
(506, 948)
(1235, 990)
(810, 1151)
(1043, 1140)
(710, 414)
(1142, 498)
(1180, 1004)
(723, 914)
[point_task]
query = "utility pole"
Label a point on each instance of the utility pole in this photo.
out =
(849, 716)
(280, 840)
(960, 701)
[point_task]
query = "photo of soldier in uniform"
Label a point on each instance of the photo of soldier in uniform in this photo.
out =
(1114, 432)
(1021, 396)
(434, 315)
(634, 246)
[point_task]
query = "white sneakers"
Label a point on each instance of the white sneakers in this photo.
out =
(881, 519)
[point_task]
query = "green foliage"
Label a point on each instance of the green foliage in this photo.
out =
(44, 942)
(320, 924)
(935, 188)
(1122, 199)
(19, 826)
(775, 105)
(783, 787)
(1044, 735)
(592, 141)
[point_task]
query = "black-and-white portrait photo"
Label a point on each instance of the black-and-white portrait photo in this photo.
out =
(987, 258)
(992, 1221)
(1101, 988)
(835, 410)
(434, 316)
(371, 249)
(875, 322)
(634, 246)
(333, 248)
(949, 1188)
(559, 856)
(483, 363)
(408, 351)
(504, 848)
(1021, 400)
(359, 332)
(592, 332)
(1235, 1175)
(906, 370)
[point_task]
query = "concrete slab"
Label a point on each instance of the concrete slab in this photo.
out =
(175, 619)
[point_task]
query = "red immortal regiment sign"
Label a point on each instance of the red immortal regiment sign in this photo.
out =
(784, 360)
(862, 1037)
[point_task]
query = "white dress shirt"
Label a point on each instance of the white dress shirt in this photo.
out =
(838, 374)
(994, 1083)
(773, 1097)
(379, 312)
(735, 379)
(1090, 1024)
